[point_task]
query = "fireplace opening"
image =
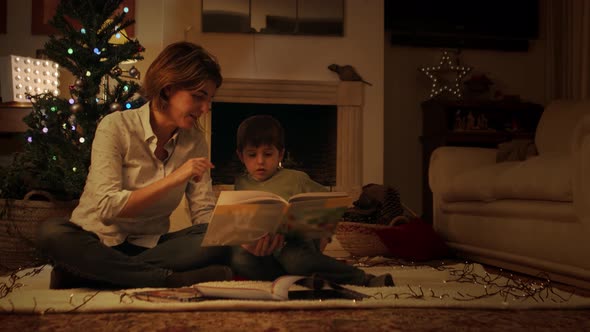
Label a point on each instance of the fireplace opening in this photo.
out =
(310, 139)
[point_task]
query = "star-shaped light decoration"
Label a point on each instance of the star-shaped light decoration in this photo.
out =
(439, 75)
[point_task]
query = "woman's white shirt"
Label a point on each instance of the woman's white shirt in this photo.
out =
(122, 161)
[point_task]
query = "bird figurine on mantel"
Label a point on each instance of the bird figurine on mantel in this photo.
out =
(347, 73)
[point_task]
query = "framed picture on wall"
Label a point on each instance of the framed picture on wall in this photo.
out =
(43, 10)
(3, 16)
(287, 17)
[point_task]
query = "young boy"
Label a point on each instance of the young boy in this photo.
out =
(260, 147)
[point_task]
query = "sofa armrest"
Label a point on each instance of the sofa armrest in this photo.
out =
(448, 161)
(581, 169)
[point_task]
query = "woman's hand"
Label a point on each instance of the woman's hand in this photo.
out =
(265, 245)
(192, 169)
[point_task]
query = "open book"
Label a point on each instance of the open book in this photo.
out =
(245, 216)
(282, 289)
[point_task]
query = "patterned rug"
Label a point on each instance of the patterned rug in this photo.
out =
(330, 320)
(433, 285)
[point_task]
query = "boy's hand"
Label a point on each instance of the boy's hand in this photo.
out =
(265, 245)
(192, 169)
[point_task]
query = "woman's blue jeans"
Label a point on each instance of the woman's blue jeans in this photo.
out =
(80, 252)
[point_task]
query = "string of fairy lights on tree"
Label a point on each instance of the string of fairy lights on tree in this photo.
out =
(92, 44)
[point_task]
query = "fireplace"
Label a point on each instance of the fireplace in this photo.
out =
(345, 98)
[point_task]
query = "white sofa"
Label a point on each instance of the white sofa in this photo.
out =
(529, 216)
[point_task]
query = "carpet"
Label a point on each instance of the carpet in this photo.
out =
(329, 320)
(433, 285)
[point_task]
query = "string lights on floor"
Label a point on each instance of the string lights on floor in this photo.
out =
(502, 286)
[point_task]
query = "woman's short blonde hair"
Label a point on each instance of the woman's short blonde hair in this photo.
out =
(180, 66)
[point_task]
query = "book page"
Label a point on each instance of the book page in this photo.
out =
(315, 219)
(288, 287)
(317, 195)
(242, 223)
(248, 196)
(278, 290)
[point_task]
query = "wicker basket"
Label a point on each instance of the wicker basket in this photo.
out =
(361, 239)
(18, 224)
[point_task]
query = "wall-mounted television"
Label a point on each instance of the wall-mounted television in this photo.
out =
(506, 25)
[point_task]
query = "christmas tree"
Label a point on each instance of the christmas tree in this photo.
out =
(57, 148)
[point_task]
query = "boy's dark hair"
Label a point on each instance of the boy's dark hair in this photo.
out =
(258, 130)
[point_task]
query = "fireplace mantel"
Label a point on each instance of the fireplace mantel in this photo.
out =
(347, 96)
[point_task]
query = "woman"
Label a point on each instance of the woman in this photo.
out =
(143, 161)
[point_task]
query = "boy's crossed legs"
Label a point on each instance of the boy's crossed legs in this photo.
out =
(302, 258)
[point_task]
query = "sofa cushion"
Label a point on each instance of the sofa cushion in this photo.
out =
(537, 178)
(556, 126)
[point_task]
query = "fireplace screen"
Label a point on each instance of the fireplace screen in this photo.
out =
(310, 138)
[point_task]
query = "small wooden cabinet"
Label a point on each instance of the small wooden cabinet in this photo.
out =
(12, 128)
(471, 123)
(11, 117)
